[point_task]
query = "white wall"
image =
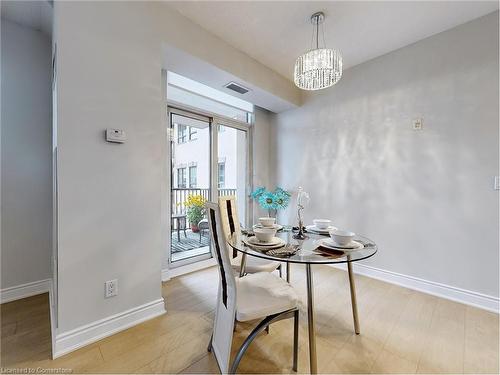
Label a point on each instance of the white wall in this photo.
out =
(426, 197)
(110, 197)
(263, 171)
(26, 155)
(109, 194)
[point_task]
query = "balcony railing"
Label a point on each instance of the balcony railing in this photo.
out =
(179, 196)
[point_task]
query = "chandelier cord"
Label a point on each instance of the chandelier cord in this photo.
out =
(317, 32)
(323, 30)
(312, 39)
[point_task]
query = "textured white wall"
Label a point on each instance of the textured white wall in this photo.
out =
(26, 155)
(111, 196)
(426, 197)
(263, 173)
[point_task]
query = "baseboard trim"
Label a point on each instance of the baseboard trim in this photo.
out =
(467, 297)
(69, 341)
(25, 290)
(167, 274)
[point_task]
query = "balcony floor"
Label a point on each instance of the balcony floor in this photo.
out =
(189, 242)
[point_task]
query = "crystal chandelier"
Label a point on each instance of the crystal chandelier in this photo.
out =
(318, 68)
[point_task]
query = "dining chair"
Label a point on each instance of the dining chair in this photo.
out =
(231, 225)
(255, 296)
(202, 227)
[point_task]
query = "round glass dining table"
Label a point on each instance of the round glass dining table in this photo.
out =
(309, 251)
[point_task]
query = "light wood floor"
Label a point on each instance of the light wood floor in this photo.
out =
(402, 331)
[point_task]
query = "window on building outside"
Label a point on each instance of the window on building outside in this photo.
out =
(181, 133)
(192, 177)
(193, 133)
(181, 177)
(221, 175)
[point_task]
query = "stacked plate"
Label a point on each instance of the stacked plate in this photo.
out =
(254, 243)
(275, 226)
(328, 243)
(315, 229)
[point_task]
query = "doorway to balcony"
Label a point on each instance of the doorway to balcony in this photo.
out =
(209, 158)
(210, 143)
(191, 181)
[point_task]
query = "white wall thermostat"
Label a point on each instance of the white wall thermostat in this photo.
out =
(115, 135)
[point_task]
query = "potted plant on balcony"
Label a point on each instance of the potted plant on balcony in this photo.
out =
(195, 205)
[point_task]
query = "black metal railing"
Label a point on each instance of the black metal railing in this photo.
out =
(179, 196)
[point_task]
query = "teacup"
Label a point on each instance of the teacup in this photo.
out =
(264, 235)
(341, 237)
(322, 223)
(267, 222)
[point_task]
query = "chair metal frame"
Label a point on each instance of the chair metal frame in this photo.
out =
(264, 325)
(229, 286)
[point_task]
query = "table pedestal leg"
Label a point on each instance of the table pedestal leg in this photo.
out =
(310, 321)
(353, 298)
(242, 264)
(287, 272)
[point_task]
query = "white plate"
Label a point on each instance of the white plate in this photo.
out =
(275, 226)
(315, 229)
(330, 244)
(274, 243)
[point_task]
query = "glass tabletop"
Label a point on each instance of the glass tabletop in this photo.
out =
(309, 250)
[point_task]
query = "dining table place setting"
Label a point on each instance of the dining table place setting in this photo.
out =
(263, 237)
(268, 222)
(318, 243)
(320, 226)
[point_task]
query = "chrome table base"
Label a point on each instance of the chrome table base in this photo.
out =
(313, 360)
(354, 303)
(310, 321)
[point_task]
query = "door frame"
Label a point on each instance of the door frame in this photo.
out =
(213, 120)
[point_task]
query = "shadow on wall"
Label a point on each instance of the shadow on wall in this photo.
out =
(353, 148)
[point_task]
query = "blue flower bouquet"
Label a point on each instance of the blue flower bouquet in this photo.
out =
(272, 201)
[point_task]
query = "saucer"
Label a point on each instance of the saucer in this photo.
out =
(275, 226)
(273, 244)
(330, 244)
(314, 229)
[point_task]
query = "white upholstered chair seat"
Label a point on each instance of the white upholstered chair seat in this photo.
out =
(254, 264)
(263, 294)
(258, 295)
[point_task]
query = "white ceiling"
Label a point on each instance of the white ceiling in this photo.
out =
(34, 14)
(276, 32)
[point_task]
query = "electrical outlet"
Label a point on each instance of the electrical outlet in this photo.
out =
(417, 124)
(111, 288)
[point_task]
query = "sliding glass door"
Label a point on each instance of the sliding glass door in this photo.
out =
(208, 158)
(232, 166)
(190, 186)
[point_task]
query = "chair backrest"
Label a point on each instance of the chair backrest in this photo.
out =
(225, 312)
(229, 217)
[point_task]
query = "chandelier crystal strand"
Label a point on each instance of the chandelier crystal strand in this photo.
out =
(318, 68)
